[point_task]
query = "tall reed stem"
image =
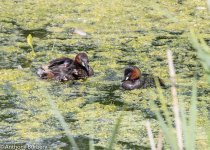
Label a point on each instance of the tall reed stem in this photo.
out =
(150, 135)
(175, 100)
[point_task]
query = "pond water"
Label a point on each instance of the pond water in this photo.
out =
(114, 34)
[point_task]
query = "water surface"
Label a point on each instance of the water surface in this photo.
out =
(118, 34)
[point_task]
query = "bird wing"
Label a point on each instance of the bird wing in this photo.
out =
(59, 61)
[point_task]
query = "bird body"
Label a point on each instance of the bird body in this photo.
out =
(134, 79)
(64, 69)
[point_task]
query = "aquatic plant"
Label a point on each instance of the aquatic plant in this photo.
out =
(183, 135)
(203, 52)
(185, 124)
(125, 32)
(30, 43)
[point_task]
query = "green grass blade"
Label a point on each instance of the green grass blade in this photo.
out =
(186, 133)
(203, 51)
(114, 133)
(193, 115)
(91, 144)
(208, 132)
(164, 103)
(168, 132)
(61, 120)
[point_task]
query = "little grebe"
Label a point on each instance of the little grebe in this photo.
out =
(134, 79)
(64, 69)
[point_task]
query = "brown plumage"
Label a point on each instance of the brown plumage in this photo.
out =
(64, 69)
(81, 63)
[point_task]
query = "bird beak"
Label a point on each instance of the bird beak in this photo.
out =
(86, 66)
(83, 64)
(126, 78)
